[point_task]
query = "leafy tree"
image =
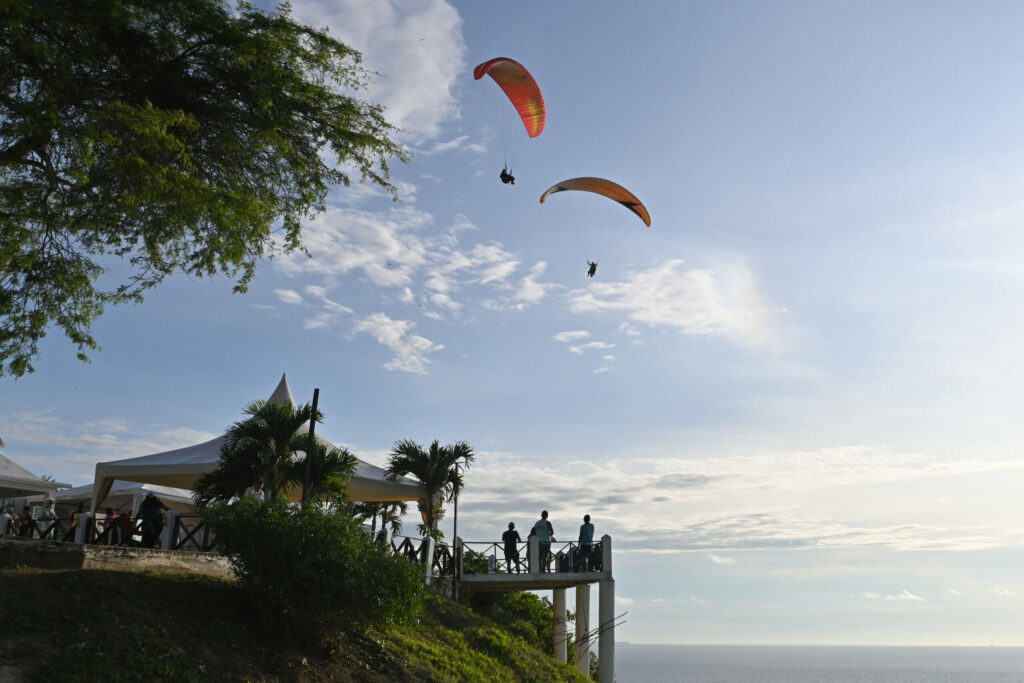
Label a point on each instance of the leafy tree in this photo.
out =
(311, 571)
(175, 136)
(438, 472)
(262, 445)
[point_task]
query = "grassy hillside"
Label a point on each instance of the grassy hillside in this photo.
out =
(112, 626)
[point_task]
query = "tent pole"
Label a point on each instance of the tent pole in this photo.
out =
(310, 446)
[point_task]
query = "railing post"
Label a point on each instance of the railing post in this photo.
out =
(428, 560)
(170, 533)
(82, 527)
(533, 555)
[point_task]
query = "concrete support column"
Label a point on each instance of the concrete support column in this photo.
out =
(168, 536)
(583, 629)
(428, 559)
(533, 555)
(606, 640)
(560, 633)
(82, 527)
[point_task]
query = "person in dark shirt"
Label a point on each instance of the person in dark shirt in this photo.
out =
(592, 271)
(511, 538)
(151, 512)
(507, 177)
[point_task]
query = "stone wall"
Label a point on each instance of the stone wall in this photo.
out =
(20, 552)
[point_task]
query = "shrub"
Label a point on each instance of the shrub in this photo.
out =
(312, 571)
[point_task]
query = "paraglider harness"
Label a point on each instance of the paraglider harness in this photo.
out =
(593, 268)
(507, 177)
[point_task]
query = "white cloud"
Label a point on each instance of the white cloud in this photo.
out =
(410, 350)
(902, 595)
(288, 296)
(416, 47)
(1005, 592)
(591, 346)
(696, 302)
(571, 335)
(624, 602)
(720, 559)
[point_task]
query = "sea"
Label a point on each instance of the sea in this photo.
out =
(816, 664)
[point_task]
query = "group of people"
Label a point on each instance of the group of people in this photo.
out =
(118, 527)
(13, 524)
(545, 533)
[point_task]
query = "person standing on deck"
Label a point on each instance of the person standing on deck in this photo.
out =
(586, 544)
(511, 538)
(545, 535)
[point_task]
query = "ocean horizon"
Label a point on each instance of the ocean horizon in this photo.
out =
(640, 663)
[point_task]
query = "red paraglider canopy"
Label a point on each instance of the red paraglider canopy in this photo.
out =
(521, 89)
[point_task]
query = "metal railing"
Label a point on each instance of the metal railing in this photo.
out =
(565, 557)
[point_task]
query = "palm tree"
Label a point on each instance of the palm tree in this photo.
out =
(390, 514)
(438, 472)
(330, 471)
(260, 445)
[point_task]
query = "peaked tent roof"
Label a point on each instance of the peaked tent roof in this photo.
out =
(16, 481)
(180, 468)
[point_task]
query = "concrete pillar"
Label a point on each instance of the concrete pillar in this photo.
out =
(560, 633)
(169, 535)
(583, 629)
(606, 640)
(428, 559)
(533, 555)
(82, 527)
(606, 554)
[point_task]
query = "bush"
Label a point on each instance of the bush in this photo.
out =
(312, 571)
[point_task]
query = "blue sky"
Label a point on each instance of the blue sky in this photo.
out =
(794, 402)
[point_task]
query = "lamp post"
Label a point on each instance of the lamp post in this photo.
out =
(310, 448)
(456, 555)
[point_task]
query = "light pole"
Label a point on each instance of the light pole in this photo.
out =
(456, 554)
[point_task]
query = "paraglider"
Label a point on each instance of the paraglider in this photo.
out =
(524, 93)
(603, 187)
(592, 270)
(520, 88)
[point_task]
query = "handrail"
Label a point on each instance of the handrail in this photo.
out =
(565, 556)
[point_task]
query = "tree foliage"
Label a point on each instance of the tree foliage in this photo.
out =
(437, 470)
(311, 571)
(271, 444)
(175, 136)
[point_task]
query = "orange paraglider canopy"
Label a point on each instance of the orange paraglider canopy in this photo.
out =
(521, 89)
(607, 188)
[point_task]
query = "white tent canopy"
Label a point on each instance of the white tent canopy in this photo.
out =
(181, 468)
(16, 481)
(123, 496)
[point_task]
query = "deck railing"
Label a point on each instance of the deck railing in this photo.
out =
(490, 558)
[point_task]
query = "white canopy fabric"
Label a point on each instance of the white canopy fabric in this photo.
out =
(123, 496)
(181, 468)
(16, 481)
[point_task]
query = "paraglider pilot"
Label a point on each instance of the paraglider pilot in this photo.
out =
(507, 177)
(593, 268)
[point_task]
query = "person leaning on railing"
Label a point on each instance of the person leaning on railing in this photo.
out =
(46, 518)
(26, 522)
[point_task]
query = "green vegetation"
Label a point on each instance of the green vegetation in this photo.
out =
(311, 571)
(438, 472)
(175, 136)
(121, 627)
(264, 444)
